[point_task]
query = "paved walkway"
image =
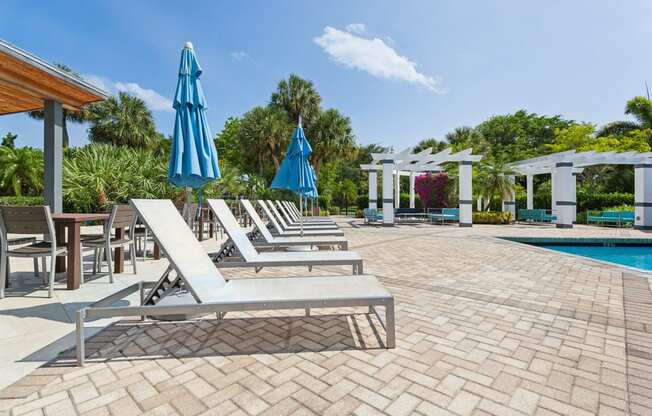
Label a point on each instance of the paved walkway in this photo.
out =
(484, 327)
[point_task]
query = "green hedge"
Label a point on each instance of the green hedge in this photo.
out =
(586, 200)
(21, 200)
(490, 217)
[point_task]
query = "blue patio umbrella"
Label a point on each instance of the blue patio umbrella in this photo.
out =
(193, 158)
(295, 173)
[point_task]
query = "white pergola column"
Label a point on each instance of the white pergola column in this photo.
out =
(563, 196)
(388, 199)
(412, 178)
(529, 183)
(397, 192)
(466, 193)
(373, 189)
(53, 155)
(574, 196)
(643, 196)
(509, 203)
(553, 202)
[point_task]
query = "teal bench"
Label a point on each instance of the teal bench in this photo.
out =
(372, 215)
(535, 215)
(447, 214)
(619, 218)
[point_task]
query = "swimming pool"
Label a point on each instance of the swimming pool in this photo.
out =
(627, 252)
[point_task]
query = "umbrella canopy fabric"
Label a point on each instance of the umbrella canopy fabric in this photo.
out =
(193, 158)
(295, 173)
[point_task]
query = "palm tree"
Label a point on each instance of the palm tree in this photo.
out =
(436, 145)
(298, 97)
(9, 140)
(263, 134)
(122, 121)
(21, 169)
(331, 137)
(68, 115)
(638, 107)
(493, 175)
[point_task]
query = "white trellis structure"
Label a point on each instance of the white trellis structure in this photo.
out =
(394, 165)
(564, 167)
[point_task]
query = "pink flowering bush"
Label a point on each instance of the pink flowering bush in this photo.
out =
(432, 189)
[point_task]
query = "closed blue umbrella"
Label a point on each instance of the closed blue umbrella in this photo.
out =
(193, 159)
(295, 173)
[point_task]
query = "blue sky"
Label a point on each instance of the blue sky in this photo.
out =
(402, 71)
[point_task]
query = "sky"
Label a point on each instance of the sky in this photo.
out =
(402, 71)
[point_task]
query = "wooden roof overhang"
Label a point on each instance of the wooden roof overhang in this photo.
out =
(27, 80)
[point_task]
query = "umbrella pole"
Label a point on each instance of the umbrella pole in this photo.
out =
(188, 210)
(301, 214)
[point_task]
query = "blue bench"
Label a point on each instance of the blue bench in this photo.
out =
(372, 215)
(447, 214)
(618, 218)
(535, 215)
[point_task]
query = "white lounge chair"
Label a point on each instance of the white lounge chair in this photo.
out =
(278, 242)
(296, 214)
(273, 217)
(292, 224)
(238, 251)
(198, 288)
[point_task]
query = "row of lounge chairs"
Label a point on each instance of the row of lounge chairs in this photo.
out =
(192, 285)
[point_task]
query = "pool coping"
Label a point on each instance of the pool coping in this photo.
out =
(543, 240)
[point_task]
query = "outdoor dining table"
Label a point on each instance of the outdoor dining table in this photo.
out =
(72, 222)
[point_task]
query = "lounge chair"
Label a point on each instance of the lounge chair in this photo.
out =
(281, 226)
(193, 286)
(238, 243)
(294, 211)
(278, 242)
(291, 223)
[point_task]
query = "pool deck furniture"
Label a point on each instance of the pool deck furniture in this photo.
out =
(29, 220)
(446, 215)
(192, 286)
(294, 211)
(281, 227)
(618, 218)
(534, 215)
(411, 217)
(291, 223)
(372, 215)
(71, 222)
(278, 242)
(238, 251)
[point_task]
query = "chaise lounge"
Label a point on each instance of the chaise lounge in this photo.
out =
(281, 227)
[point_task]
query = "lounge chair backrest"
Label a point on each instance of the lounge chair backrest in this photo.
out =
(269, 215)
(182, 249)
(292, 208)
(290, 211)
(283, 211)
(26, 220)
(232, 228)
(278, 215)
(258, 222)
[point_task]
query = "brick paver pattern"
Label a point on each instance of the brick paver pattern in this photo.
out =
(484, 327)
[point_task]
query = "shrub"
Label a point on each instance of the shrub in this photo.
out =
(489, 217)
(433, 189)
(586, 200)
(21, 200)
(335, 210)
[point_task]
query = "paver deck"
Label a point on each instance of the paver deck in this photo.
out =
(484, 327)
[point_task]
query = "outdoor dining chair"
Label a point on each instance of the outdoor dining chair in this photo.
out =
(29, 220)
(121, 216)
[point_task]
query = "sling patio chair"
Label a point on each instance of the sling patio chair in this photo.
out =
(279, 242)
(291, 223)
(238, 251)
(272, 216)
(29, 220)
(286, 227)
(296, 214)
(193, 286)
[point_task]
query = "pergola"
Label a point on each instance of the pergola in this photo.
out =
(29, 83)
(564, 167)
(407, 163)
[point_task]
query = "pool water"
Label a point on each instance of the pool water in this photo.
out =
(639, 256)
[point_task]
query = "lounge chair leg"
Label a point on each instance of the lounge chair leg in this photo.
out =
(35, 267)
(390, 329)
(81, 353)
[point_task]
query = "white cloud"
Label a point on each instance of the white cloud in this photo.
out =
(239, 55)
(358, 28)
(154, 100)
(375, 57)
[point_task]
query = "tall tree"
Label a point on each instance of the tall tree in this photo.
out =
(436, 145)
(492, 174)
(122, 121)
(298, 97)
(21, 170)
(9, 140)
(641, 109)
(68, 115)
(331, 137)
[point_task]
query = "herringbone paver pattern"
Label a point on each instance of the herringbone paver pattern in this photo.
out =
(484, 327)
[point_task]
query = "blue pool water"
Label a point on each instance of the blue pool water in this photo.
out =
(633, 256)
